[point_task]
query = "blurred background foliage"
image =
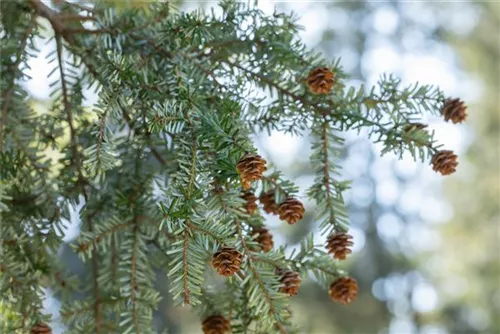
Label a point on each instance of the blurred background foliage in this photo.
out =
(427, 253)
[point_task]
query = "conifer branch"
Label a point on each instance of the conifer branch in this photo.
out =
(133, 275)
(97, 296)
(313, 265)
(276, 184)
(100, 137)
(75, 156)
(255, 272)
(191, 87)
(114, 261)
(131, 125)
(103, 235)
(326, 172)
(6, 95)
(204, 231)
(186, 269)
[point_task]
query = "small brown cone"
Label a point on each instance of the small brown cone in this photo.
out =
(321, 80)
(41, 328)
(250, 202)
(250, 167)
(444, 162)
(216, 324)
(290, 281)
(344, 290)
(338, 245)
(454, 110)
(264, 238)
(227, 261)
(291, 210)
(267, 200)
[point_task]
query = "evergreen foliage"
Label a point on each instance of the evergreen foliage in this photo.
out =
(153, 162)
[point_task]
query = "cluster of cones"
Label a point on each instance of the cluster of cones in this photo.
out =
(251, 167)
(291, 210)
(227, 260)
(344, 289)
(445, 161)
(321, 80)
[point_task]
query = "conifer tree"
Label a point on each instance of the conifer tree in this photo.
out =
(165, 168)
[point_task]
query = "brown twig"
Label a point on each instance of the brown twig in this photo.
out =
(53, 18)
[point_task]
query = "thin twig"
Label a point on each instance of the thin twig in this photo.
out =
(53, 18)
(202, 230)
(326, 172)
(188, 222)
(186, 271)
(276, 184)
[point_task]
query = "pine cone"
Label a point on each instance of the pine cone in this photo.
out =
(264, 238)
(320, 80)
(454, 109)
(227, 261)
(338, 245)
(270, 205)
(250, 167)
(216, 324)
(290, 281)
(444, 162)
(291, 210)
(344, 290)
(41, 328)
(251, 199)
